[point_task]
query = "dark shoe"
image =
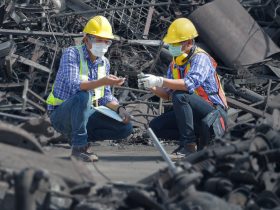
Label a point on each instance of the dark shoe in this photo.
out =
(84, 153)
(183, 151)
(90, 147)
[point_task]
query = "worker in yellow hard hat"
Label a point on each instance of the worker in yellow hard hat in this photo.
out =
(199, 103)
(83, 80)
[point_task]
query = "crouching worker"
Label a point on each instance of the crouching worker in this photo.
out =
(199, 103)
(83, 80)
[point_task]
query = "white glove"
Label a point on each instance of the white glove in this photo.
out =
(148, 81)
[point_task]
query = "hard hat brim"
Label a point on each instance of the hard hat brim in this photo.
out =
(171, 40)
(102, 35)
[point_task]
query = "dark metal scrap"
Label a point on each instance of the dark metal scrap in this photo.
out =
(239, 171)
(232, 34)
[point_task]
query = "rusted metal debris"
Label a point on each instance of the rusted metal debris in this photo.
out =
(240, 172)
(33, 34)
(232, 34)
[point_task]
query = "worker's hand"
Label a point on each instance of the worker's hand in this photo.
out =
(147, 81)
(112, 80)
(124, 114)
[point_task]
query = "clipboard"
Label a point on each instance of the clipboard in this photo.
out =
(108, 112)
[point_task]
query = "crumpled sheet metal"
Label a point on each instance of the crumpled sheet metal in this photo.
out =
(232, 34)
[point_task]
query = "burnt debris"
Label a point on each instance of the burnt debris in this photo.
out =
(242, 171)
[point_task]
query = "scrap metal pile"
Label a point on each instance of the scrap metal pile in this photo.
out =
(34, 33)
(241, 172)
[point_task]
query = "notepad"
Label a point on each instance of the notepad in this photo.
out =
(108, 112)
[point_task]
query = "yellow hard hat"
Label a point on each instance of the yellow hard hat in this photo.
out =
(99, 26)
(181, 29)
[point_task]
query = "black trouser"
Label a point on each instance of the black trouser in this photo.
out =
(184, 122)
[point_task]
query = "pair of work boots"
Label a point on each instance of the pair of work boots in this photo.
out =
(84, 153)
(182, 151)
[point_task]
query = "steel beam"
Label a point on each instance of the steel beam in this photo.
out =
(256, 112)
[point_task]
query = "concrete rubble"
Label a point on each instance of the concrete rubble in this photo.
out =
(242, 170)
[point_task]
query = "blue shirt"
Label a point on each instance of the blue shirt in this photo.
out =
(67, 81)
(201, 73)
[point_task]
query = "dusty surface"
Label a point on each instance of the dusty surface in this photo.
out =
(119, 163)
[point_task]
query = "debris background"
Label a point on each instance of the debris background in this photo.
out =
(240, 172)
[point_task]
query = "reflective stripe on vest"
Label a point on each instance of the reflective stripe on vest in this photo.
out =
(101, 72)
(200, 91)
(98, 92)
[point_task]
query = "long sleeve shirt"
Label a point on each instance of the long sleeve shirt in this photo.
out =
(67, 82)
(201, 73)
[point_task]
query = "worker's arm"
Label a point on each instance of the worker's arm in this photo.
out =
(108, 80)
(69, 72)
(149, 81)
(160, 92)
(200, 68)
(114, 105)
(174, 84)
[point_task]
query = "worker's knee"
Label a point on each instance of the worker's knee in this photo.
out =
(180, 98)
(125, 131)
(154, 124)
(83, 98)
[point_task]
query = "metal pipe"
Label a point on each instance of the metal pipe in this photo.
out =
(10, 107)
(37, 96)
(173, 169)
(162, 151)
(267, 97)
(24, 95)
(249, 95)
(145, 102)
(133, 89)
(160, 110)
(95, 11)
(37, 33)
(148, 21)
(16, 116)
(157, 55)
(11, 85)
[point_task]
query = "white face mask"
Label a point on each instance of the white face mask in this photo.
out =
(99, 49)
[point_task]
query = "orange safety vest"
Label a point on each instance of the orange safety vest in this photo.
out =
(200, 91)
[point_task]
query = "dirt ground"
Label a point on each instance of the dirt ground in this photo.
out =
(119, 163)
